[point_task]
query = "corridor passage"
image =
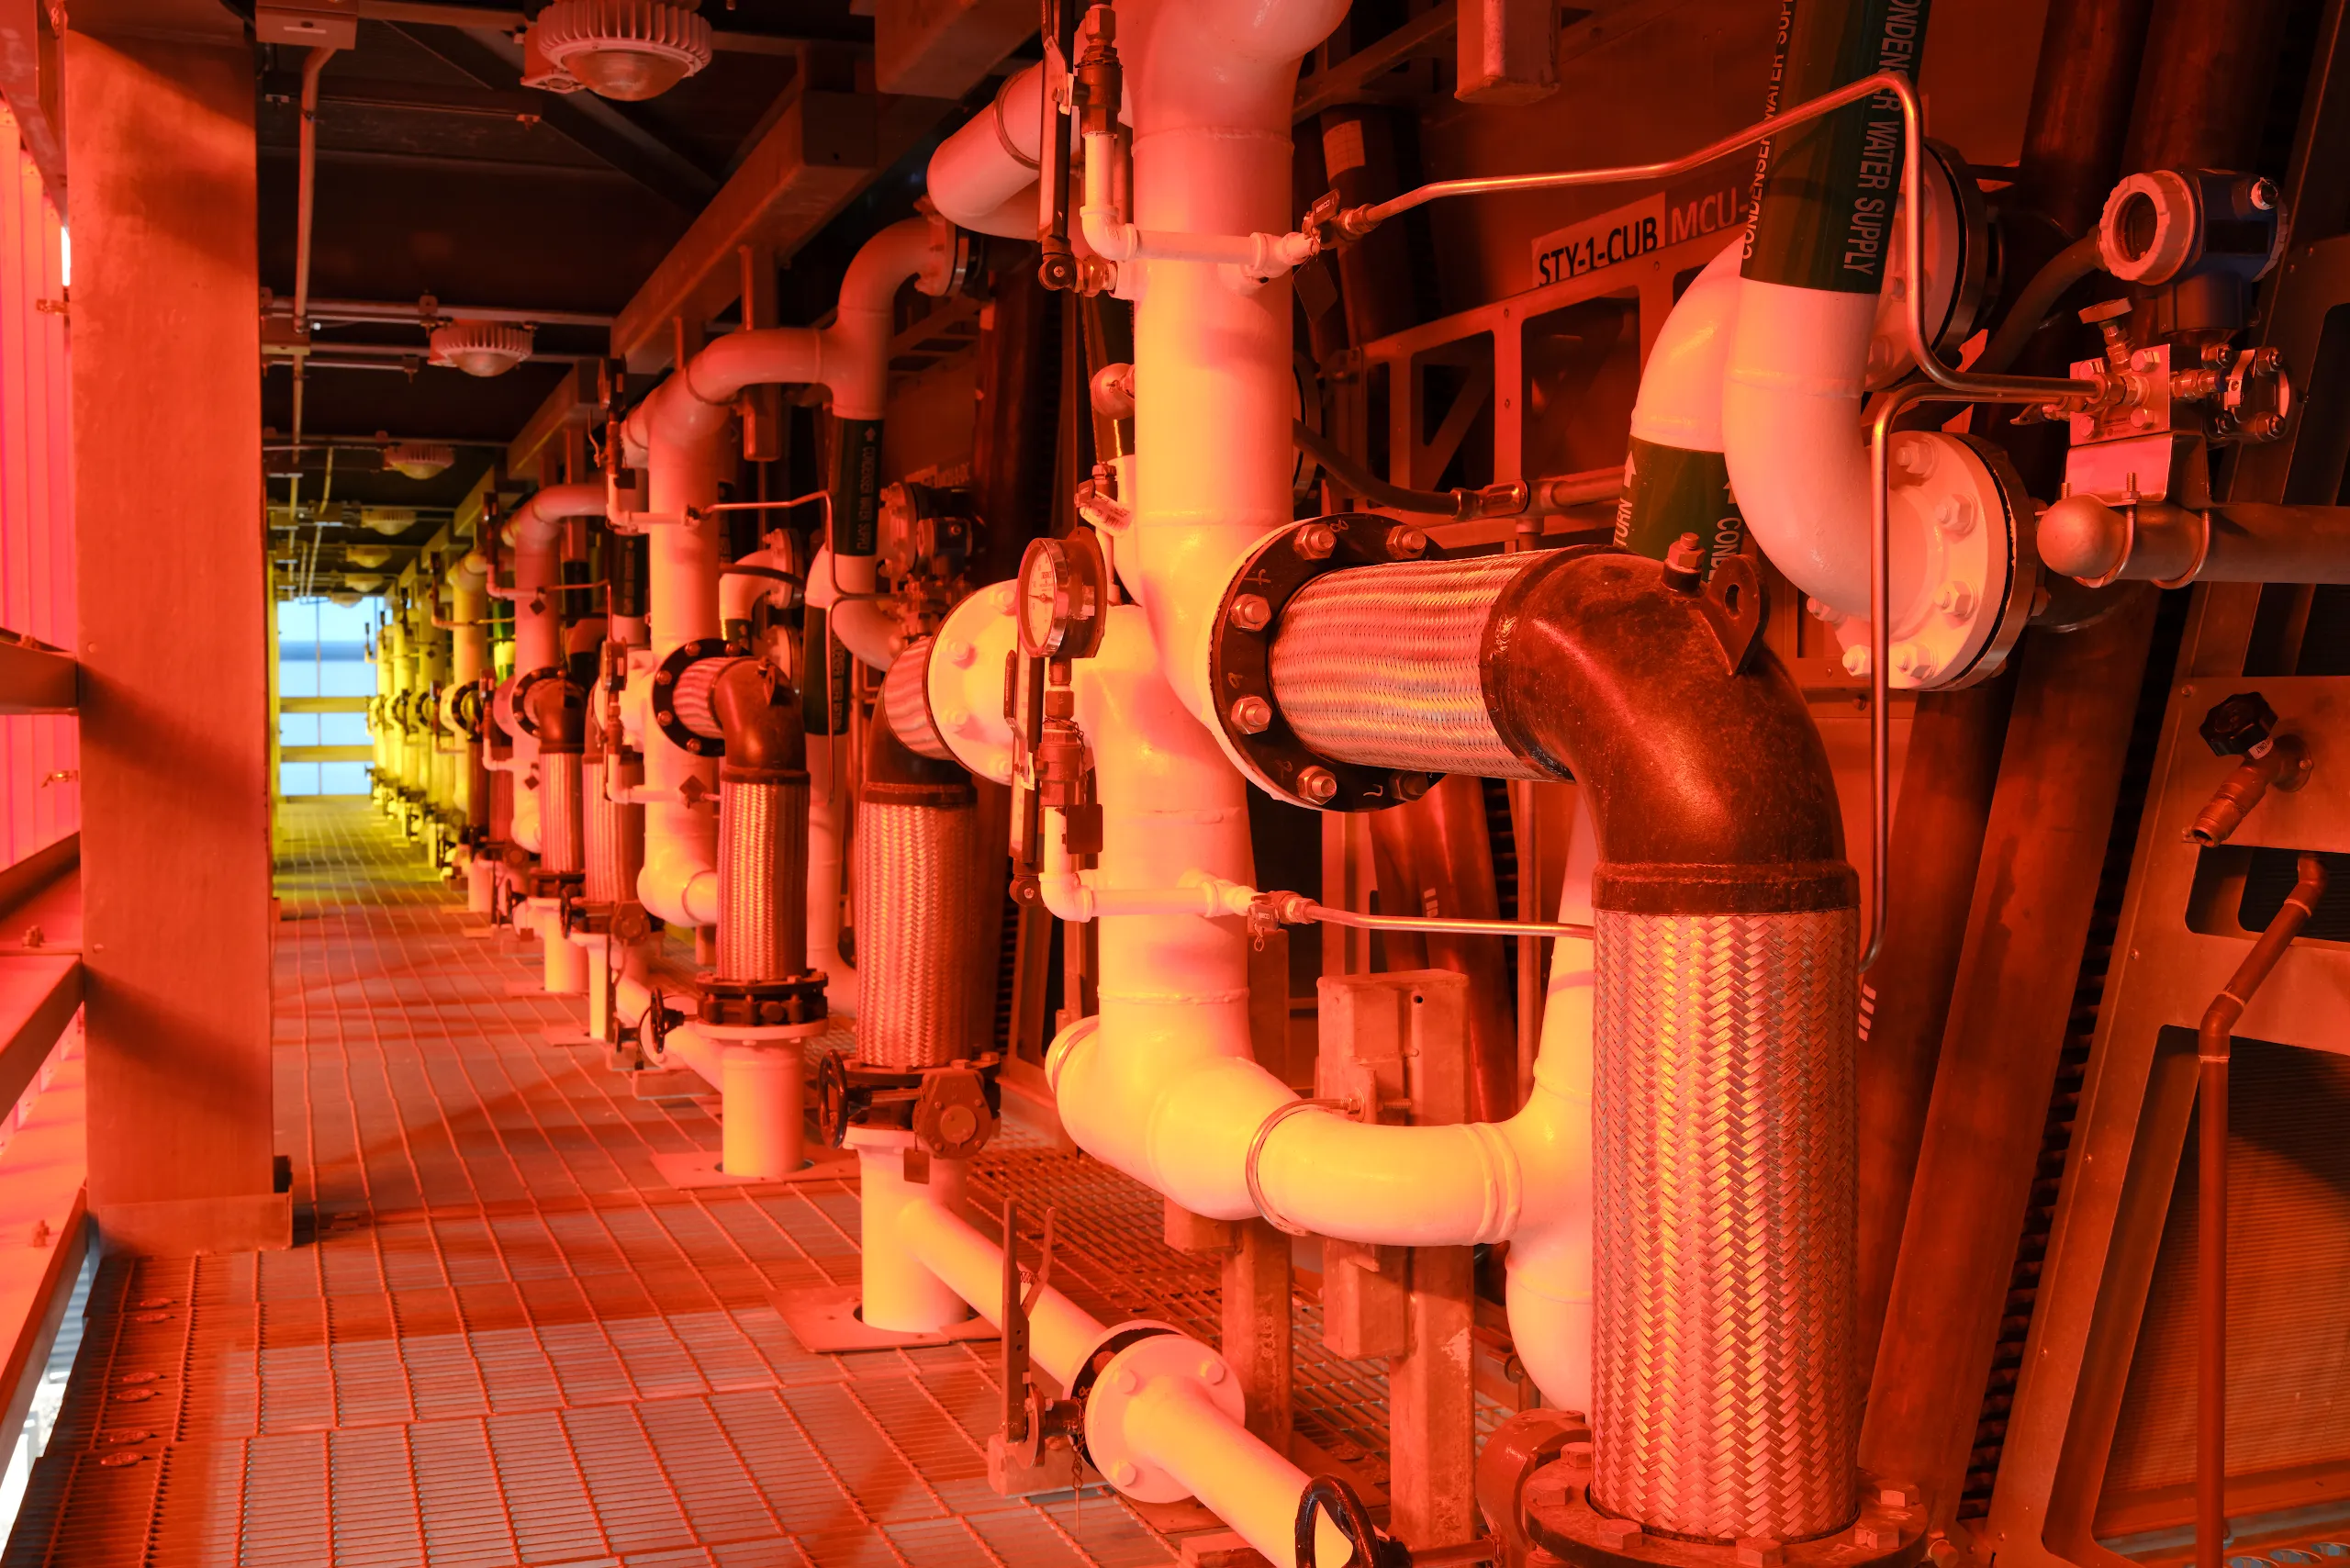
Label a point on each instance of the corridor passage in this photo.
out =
(502, 1336)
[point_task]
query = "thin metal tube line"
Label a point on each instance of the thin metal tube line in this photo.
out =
(1519, 928)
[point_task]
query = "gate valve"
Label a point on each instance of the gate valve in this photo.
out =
(2245, 726)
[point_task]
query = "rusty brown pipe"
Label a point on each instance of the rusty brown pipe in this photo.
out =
(2283, 765)
(2211, 1220)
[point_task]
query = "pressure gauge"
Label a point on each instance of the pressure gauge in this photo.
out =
(1063, 588)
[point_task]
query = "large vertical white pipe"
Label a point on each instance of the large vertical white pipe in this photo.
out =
(1211, 84)
(901, 1293)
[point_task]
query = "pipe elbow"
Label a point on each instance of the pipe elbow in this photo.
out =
(760, 719)
(983, 177)
(678, 884)
(1404, 1186)
(1680, 400)
(1792, 434)
(1709, 788)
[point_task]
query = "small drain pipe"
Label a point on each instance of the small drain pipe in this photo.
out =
(2213, 1043)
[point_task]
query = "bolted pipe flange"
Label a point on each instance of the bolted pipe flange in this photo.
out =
(1558, 1516)
(1133, 1356)
(1240, 661)
(665, 696)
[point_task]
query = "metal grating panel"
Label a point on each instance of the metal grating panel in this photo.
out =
(503, 1339)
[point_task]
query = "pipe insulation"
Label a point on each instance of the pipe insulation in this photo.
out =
(1412, 697)
(917, 867)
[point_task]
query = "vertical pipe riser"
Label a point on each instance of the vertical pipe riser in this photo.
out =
(762, 880)
(1726, 1400)
(916, 939)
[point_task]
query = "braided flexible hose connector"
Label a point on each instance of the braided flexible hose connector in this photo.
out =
(1725, 1217)
(1723, 1240)
(918, 953)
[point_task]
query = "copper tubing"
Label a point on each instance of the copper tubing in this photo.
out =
(2285, 764)
(2211, 1226)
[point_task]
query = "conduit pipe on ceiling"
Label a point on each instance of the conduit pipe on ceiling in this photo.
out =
(305, 208)
(675, 434)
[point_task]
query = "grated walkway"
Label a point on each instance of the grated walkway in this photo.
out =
(502, 1339)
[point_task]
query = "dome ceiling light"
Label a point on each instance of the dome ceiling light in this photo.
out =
(367, 557)
(481, 348)
(627, 50)
(388, 520)
(418, 460)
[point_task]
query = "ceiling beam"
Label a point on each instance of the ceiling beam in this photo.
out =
(820, 152)
(595, 126)
(942, 48)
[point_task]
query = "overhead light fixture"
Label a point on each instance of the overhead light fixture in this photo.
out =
(418, 460)
(388, 520)
(362, 583)
(627, 50)
(481, 348)
(540, 72)
(344, 597)
(367, 557)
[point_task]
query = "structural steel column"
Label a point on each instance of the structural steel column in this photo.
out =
(173, 637)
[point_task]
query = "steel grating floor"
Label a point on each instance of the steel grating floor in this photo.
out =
(501, 1337)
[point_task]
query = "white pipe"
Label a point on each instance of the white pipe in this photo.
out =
(900, 1294)
(1680, 400)
(1210, 85)
(1171, 1420)
(864, 627)
(740, 593)
(1243, 1480)
(1550, 1290)
(563, 966)
(759, 1087)
(535, 534)
(983, 177)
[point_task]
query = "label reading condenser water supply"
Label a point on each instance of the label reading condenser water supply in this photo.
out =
(1705, 205)
(1668, 492)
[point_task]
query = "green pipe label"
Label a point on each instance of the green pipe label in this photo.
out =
(856, 489)
(1825, 192)
(1670, 491)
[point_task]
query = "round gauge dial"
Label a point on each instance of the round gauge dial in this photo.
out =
(1061, 594)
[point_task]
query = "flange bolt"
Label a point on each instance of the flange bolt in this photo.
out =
(1318, 785)
(1250, 612)
(1316, 541)
(1252, 715)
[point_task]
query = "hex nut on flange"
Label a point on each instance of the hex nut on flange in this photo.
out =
(1250, 612)
(1252, 715)
(1758, 1552)
(1316, 784)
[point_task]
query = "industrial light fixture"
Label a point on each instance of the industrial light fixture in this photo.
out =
(367, 557)
(420, 460)
(361, 582)
(627, 50)
(388, 520)
(480, 348)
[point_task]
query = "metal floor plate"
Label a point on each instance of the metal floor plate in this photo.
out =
(502, 1337)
